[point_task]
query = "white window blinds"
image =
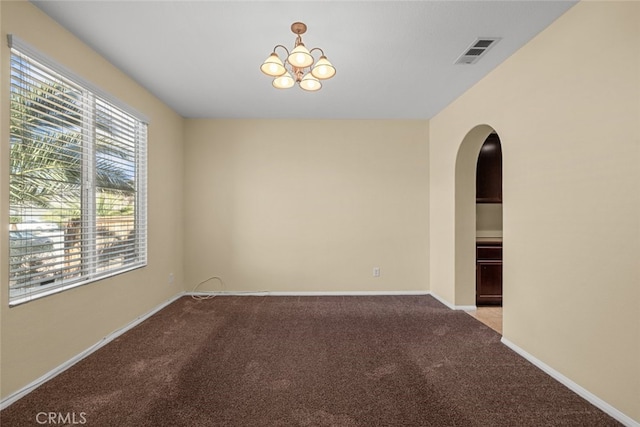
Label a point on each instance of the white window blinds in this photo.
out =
(77, 181)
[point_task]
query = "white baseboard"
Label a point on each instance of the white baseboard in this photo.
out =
(333, 293)
(466, 307)
(307, 294)
(451, 306)
(13, 397)
(579, 390)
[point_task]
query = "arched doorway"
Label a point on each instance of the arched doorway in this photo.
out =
(465, 215)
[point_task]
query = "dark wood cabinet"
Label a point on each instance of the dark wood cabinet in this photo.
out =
(488, 273)
(489, 171)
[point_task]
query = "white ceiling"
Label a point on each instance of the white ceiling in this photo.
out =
(394, 59)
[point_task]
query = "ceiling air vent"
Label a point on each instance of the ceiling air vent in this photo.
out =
(475, 51)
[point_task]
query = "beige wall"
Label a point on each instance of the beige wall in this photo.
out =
(268, 212)
(42, 334)
(567, 108)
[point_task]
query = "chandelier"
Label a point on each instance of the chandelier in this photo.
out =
(299, 66)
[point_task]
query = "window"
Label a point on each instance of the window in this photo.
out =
(77, 180)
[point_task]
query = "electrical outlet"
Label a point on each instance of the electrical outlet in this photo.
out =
(376, 271)
(171, 278)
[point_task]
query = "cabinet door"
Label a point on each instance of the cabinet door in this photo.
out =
(489, 283)
(489, 172)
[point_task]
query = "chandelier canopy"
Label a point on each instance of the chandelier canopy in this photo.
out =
(299, 65)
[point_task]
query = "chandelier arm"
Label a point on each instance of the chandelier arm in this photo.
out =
(279, 45)
(314, 59)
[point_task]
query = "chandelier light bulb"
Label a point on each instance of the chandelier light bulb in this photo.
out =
(273, 66)
(300, 57)
(310, 83)
(283, 82)
(323, 69)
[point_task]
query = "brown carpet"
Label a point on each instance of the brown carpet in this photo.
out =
(307, 361)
